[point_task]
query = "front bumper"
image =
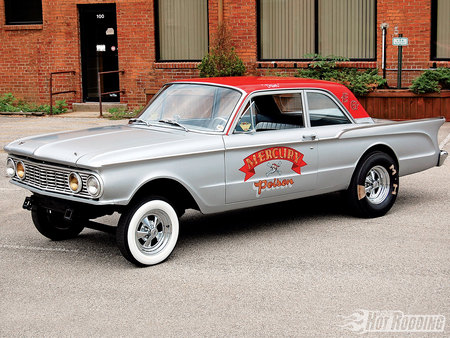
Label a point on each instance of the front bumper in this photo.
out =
(70, 209)
(442, 156)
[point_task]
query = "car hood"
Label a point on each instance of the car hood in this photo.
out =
(101, 146)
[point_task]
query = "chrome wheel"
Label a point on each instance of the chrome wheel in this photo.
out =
(153, 232)
(377, 184)
(374, 186)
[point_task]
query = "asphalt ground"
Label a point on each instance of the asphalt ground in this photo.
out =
(290, 269)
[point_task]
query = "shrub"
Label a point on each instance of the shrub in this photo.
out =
(222, 59)
(60, 107)
(121, 113)
(431, 81)
(9, 103)
(326, 68)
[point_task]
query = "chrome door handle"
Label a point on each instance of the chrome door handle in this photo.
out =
(309, 137)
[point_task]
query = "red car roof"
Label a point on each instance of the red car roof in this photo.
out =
(250, 84)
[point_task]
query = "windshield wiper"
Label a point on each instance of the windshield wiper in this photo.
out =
(139, 121)
(174, 123)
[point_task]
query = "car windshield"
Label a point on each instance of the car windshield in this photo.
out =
(191, 107)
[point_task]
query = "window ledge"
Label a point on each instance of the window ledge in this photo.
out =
(440, 63)
(304, 64)
(23, 27)
(177, 65)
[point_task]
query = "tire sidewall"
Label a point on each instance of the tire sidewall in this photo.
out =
(133, 222)
(367, 208)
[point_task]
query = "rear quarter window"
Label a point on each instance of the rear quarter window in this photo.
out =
(323, 111)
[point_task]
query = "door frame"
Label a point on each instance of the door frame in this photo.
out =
(84, 9)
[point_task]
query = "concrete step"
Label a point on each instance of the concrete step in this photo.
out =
(95, 107)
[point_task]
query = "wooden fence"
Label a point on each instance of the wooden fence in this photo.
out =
(394, 104)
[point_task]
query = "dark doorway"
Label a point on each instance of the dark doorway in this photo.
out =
(99, 52)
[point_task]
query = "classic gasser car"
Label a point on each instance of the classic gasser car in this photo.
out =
(214, 145)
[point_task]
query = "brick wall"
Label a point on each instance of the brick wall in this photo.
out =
(412, 18)
(29, 53)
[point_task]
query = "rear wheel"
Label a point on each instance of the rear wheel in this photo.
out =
(374, 186)
(148, 231)
(53, 225)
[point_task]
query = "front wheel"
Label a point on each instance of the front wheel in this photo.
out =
(374, 186)
(148, 231)
(53, 225)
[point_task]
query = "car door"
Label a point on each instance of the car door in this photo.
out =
(336, 156)
(271, 153)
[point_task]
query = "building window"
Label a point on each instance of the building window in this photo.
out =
(182, 29)
(23, 12)
(440, 30)
(292, 28)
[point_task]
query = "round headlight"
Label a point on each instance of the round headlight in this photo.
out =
(10, 167)
(75, 182)
(93, 186)
(20, 170)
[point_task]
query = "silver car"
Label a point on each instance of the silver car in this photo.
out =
(213, 145)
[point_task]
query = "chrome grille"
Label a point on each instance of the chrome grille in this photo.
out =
(51, 178)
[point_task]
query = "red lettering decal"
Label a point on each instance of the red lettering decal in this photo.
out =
(261, 157)
(275, 155)
(290, 155)
(282, 153)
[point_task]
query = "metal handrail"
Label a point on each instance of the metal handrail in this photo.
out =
(61, 92)
(100, 93)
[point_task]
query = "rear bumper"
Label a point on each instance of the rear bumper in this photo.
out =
(442, 156)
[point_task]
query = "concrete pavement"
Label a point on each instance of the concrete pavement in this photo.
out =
(290, 269)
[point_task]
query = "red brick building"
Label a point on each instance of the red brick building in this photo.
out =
(155, 41)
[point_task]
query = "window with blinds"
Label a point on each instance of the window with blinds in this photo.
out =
(182, 30)
(441, 29)
(289, 29)
(347, 28)
(286, 29)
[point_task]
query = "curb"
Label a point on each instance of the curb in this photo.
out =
(22, 113)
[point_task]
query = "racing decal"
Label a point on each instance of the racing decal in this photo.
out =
(394, 191)
(245, 126)
(354, 105)
(262, 185)
(274, 155)
(274, 168)
(392, 167)
(361, 192)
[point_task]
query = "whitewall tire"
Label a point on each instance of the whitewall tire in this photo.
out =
(148, 232)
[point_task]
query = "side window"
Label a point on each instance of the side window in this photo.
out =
(273, 112)
(323, 111)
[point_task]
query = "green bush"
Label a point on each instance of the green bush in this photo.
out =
(326, 68)
(9, 103)
(222, 59)
(121, 113)
(60, 107)
(431, 81)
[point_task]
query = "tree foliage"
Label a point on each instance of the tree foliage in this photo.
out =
(326, 68)
(222, 59)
